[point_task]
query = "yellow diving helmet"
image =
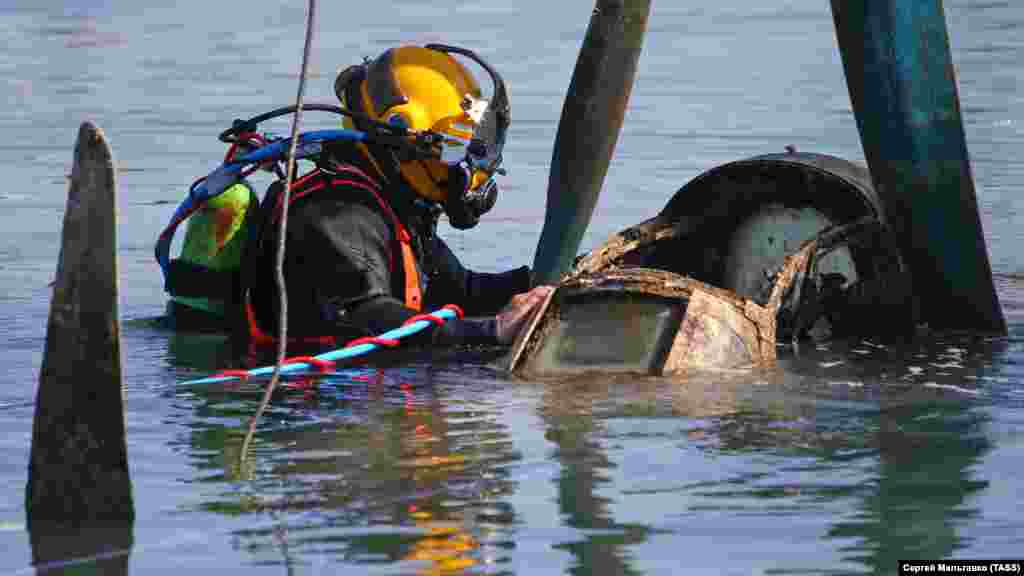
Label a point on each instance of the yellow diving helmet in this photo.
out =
(425, 89)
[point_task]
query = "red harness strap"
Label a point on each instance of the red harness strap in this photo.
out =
(258, 337)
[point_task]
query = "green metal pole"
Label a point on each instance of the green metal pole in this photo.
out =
(588, 130)
(899, 71)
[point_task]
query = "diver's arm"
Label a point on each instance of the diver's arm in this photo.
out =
(478, 293)
(381, 314)
(494, 290)
(348, 254)
(378, 315)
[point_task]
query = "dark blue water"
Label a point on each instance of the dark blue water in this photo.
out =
(843, 460)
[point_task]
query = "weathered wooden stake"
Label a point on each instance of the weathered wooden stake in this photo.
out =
(588, 130)
(899, 71)
(78, 468)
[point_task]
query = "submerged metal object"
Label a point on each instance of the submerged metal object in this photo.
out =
(652, 321)
(750, 253)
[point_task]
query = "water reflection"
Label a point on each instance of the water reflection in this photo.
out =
(91, 549)
(878, 469)
(379, 467)
(873, 451)
(929, 438)
(925, 478)
(575, 427)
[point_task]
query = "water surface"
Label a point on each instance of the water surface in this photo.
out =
(846, 458)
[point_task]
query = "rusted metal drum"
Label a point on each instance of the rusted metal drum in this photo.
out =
(745, 254)
(745, 216)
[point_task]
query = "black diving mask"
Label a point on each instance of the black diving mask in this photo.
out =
(482, 153)
(491, 121)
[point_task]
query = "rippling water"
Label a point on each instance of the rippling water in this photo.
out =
(843, 460)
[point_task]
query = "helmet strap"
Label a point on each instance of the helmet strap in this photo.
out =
(372, 161)
(390, 165)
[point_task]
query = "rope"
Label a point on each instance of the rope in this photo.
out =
(282, 338)
(356, 348)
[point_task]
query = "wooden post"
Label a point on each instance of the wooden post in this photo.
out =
(899, 71)
(588, 130)
(78, 468)
(94, 549)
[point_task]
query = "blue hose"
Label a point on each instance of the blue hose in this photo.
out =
(276, 150)
(229, 173)
(345, 353)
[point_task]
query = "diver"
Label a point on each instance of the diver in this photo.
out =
(362, 251)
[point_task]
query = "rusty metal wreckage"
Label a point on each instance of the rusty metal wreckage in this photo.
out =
(780, 247)
(724, 272)
(771, 248)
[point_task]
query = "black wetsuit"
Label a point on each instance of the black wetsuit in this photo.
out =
(343, 261)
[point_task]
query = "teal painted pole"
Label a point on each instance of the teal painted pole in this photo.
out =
(592, 116)
(899, 71)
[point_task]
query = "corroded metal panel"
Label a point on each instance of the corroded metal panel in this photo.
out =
(612, 252)
(714, 334)
(718, 329)
(519, 346)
